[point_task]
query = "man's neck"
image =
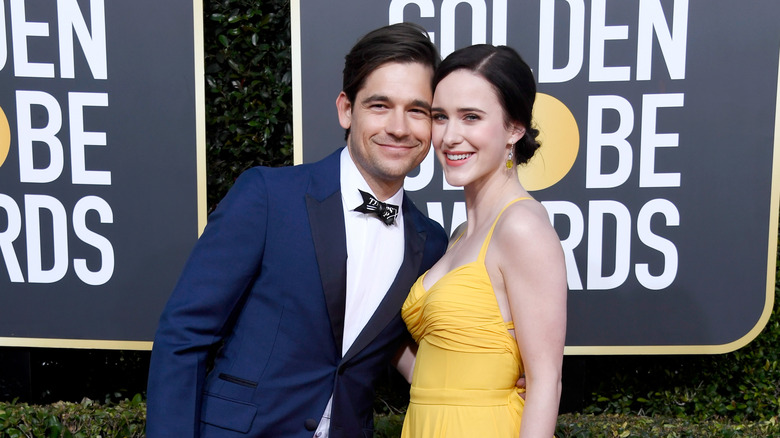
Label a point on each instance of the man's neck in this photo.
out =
(383, 190)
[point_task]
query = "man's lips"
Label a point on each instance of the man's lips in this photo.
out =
(390, 144)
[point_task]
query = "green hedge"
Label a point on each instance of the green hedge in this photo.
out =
(587, 426)
(127, 418)
(77, 420)
(248, 88)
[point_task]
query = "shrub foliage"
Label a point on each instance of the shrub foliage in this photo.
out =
(248, 88)
(74, 420)
(613, 425)
(127, 419)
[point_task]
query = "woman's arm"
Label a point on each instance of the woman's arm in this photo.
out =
(404, 359)
(531, 263)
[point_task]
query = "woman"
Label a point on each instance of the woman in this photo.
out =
(494, 306)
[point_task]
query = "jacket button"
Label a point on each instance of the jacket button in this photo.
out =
(310, 424)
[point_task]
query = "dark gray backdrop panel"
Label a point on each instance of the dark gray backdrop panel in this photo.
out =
(151, 153)
(725, 158)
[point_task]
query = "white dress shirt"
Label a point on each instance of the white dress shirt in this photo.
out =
(374, 255)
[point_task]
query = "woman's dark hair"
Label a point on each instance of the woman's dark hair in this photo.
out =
(512, 80)
(402, 42)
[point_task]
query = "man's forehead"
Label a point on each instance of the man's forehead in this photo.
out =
(400, 71)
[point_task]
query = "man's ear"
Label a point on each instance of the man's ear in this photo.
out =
(344, 107)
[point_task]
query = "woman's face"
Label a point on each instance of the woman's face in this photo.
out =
(469, 132)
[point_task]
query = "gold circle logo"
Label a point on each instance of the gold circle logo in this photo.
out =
(560, 139)
(5, 137)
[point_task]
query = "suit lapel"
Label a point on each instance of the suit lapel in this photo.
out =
(414, 242)
(326, 218)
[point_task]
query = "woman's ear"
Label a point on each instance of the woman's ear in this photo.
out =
(516, 133)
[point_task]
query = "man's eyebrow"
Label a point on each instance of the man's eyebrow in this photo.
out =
(421, 104)
(382, 98)
(375, 98)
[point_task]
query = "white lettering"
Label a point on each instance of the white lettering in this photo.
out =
(396, 12)
(596, 140)
(102, 275)
(435, 212)
(547, 72)
(673, 43)
(8, 236)
(46, 135)
(652, 140)
(478, 24)
(600, 33)
(21, 29)
(652, 240)
(419, 182)
(458, 214)
(576, 231)
(70, 19)
(499, 23)
(596, 212)
(478, 20)
(3, 38)
(79, 139)
(33, 204)
(447, 186)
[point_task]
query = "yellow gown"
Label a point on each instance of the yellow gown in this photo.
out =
(467, 361)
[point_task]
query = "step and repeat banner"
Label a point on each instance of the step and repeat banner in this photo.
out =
(101, 167)
(658, 166)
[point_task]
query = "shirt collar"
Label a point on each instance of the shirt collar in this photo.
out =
(351, 180)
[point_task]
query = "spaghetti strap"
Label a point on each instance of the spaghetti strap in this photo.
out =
(456, 240)
(483, 250)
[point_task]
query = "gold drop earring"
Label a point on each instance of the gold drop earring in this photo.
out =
(509, 162)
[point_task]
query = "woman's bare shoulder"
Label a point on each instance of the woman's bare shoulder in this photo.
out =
(525, 225)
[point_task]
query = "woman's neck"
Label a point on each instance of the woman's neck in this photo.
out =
(485, 198)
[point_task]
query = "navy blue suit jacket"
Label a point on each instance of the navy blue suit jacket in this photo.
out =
(249, 344)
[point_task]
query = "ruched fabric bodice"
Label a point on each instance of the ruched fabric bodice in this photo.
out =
(467, 361)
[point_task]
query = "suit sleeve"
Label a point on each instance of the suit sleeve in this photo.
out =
(223, 263)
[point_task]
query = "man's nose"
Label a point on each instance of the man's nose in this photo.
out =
(397, 124)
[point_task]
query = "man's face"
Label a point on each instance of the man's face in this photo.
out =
(389, 123)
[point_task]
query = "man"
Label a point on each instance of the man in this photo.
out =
(289, 307)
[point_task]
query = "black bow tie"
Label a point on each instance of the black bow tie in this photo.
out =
(385, 212)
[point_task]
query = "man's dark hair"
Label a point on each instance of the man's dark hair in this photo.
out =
(402, 42)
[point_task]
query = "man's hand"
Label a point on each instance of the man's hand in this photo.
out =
(521, 385)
